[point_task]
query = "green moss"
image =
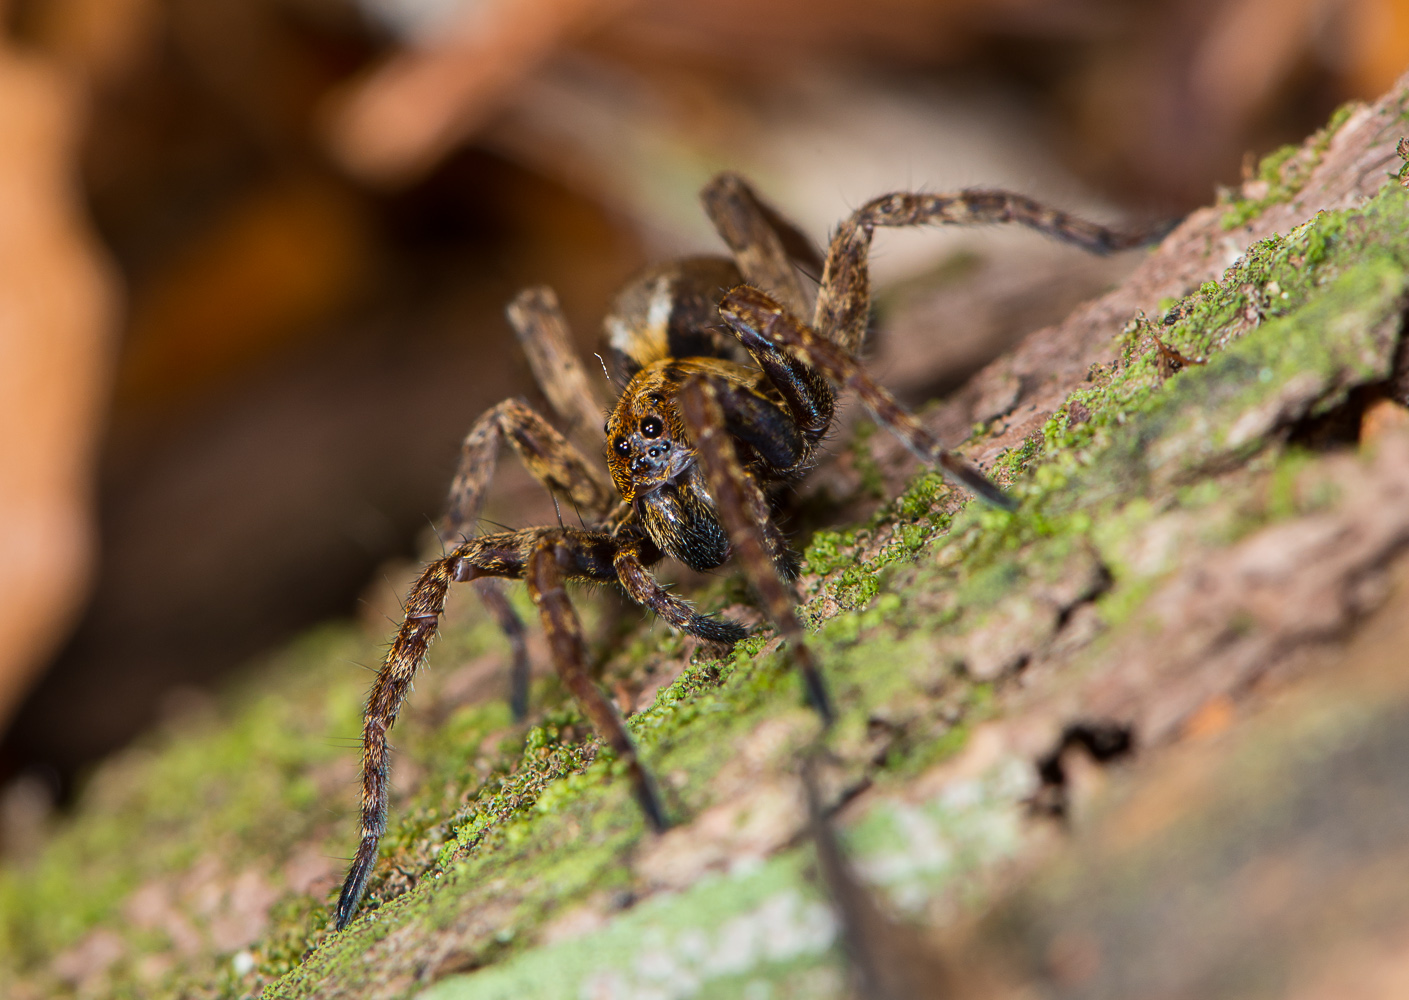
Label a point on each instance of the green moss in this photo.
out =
(1285, 172)
(767, 929)
(828, 550)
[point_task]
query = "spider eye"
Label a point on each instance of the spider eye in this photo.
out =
(652, 427)
(622, 447)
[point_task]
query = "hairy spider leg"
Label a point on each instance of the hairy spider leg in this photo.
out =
(763, 243)
(743, 509)
(553, 461)
(844, 299)
(543, 334)
(423, 609)
(545, 558)
(549, 457)
(754, 316)
(547, 567)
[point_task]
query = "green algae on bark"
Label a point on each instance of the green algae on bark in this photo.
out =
(764, 927)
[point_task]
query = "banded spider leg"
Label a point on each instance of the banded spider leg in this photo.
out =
(802, 363)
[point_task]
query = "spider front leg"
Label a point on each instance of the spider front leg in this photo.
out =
(545, 574)
(743, 510)
(550, 458)
(545, 558)
(755, 318)
(424, 606)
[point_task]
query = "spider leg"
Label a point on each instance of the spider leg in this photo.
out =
(549, 457)
(764, 244)
(423, 609)
(545, 576)
(889, 960)
(491, 595)
(571, 554)
(543, 333)
(753, 314)
(642, 588)
(844, 298)
(778, 447)
(743, 510)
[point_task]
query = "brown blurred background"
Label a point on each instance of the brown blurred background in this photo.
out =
(255, 254)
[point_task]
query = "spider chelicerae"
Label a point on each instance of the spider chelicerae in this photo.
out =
(728, 393)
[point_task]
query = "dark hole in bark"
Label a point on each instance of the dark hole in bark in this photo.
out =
(1338, 427)
(1102, 741)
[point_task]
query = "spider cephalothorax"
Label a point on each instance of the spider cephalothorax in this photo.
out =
(655, 467)
(731, 370)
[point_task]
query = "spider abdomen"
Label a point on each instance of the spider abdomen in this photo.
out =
(668, 311)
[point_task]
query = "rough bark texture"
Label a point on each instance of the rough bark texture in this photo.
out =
(1143, 737)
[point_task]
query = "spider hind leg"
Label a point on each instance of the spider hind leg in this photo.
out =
(542, 330)
(767, 248)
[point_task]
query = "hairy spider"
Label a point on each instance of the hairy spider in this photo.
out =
(729, 394)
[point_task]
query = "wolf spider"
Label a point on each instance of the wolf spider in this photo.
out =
(730, 393)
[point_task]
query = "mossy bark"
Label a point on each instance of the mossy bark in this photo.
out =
(1198, 527)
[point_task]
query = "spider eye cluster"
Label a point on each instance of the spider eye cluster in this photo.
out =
(652, 427)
